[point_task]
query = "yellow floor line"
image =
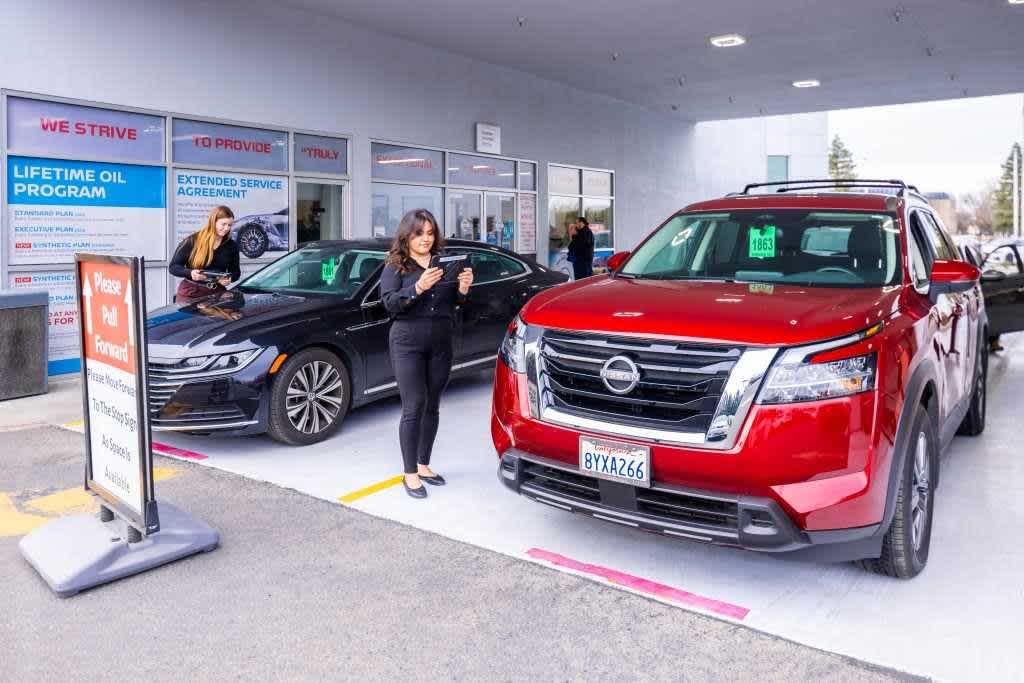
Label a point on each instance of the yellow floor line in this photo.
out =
(14, 522)
(370, 490)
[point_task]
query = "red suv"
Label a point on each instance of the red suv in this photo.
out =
(775, 371)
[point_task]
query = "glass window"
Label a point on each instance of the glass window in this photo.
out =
(562, 213)
(463, 215)
(778, 169)
(391, 202)
(851, 249)
(490, 267)
(597, 183)
(500, 221)
(322, 269)
(940, 247)
(1003, 260)
(527, 176)
(475, 171)
(318, 154)
(218, 144)
(319, 214)
(406, 164)
(563, 180)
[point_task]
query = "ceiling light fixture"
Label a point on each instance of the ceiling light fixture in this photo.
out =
(1016, 2)
(520, 21)
(809, 83)
(675, 107)
(728, 40)
(615, 56)
(681, 81)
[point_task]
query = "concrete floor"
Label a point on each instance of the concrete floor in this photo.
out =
(301, 589)
(959, 620)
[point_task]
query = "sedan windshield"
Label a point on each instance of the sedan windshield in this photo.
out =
(809, 248)
(317, 269)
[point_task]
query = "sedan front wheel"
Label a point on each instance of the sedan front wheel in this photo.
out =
(310, 398)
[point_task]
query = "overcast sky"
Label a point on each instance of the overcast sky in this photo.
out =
(954, 146)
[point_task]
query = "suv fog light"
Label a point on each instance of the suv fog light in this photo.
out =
(794, 382)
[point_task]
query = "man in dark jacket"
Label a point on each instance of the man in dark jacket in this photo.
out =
(581, 249)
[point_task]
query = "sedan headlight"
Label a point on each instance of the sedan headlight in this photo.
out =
(223, 363)
(513, 347)
(792, 382)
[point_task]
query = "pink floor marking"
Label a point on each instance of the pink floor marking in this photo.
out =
(164, 449)
(642, 585)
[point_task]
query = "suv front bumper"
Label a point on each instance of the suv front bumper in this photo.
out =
(747, 522)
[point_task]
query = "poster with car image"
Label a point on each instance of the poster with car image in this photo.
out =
(259, 202)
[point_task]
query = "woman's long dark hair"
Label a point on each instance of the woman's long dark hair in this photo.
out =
(412, 225)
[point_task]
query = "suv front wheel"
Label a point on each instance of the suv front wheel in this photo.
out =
(905, 546)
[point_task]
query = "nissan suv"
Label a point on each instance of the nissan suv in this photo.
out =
(777, 370)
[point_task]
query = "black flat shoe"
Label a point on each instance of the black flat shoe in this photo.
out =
(420, 492)
(436, 479)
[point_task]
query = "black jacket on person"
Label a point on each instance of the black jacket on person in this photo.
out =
(398, 291)
(581, 252)
(225, 258)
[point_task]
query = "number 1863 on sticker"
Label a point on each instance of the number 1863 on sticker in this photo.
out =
(617, 461)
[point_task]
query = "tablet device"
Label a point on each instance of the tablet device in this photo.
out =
(453, 264)
(215, 274)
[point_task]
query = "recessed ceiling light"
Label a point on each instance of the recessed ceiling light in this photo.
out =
(1016, 2)
(810, 83)
(728, 40)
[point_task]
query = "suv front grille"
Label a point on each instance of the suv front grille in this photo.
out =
(679, 389)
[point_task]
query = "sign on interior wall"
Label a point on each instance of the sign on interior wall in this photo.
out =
(56, 208)
(259, 202)
(62, 331)
(488, 138)
(527, 224)
(68, 130)
(217, 144)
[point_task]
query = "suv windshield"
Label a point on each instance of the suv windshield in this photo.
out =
(810, 248)
(321, 269)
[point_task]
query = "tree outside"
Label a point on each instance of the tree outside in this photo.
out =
(1002, 195)
(840, 161)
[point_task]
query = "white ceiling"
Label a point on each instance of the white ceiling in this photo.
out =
(938, 49)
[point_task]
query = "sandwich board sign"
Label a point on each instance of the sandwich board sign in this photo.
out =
(131, 533)
(118, 455)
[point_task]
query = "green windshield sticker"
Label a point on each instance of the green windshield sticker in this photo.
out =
(762, 242)
(327, 270)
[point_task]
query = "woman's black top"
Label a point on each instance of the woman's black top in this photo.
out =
(225, 258)
(398, 292)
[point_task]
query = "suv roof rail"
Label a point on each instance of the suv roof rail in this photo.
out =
(829, 183)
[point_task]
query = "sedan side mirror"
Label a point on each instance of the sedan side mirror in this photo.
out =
(949, 277)
(617, 259)
(993, 276)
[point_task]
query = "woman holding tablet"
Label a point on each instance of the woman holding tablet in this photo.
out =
(421, 300)
(207, 259)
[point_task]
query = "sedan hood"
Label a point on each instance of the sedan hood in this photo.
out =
(741, 313)
(224, 323)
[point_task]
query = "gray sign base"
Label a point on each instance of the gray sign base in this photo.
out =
(79, 552)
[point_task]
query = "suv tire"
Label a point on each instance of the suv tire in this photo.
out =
(974, 421)
(906, 543)
(253, 240)
(309, 399)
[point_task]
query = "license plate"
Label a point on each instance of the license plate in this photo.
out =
(616, 461)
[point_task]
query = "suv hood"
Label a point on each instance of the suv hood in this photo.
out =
(222, 325)
(741, 313)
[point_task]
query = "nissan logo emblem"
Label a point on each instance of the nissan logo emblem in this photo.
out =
(620, 375)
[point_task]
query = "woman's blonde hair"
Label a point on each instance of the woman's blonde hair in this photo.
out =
(205, 238)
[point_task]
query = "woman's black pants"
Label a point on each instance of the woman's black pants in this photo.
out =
(421, 356)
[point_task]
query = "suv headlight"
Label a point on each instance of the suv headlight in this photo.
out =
(513, 346)
(792, 382)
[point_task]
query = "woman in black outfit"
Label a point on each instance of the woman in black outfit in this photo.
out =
(420, 340)
(210, 248)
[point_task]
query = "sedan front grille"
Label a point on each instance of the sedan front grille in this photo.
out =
(679, 385)
(166, 377)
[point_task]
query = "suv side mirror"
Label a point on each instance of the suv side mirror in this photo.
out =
(617, 259)
(949, 277)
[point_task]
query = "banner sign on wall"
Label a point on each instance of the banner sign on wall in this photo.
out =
(63, 324)
(58, 129)
(217, 144)
(56, 208)
(259, 202)
(317, 154)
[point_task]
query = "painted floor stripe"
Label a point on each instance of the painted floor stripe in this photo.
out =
(370, 490)
(641, 585)
(164, 449)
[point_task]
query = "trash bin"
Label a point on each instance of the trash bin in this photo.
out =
(23, 342)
